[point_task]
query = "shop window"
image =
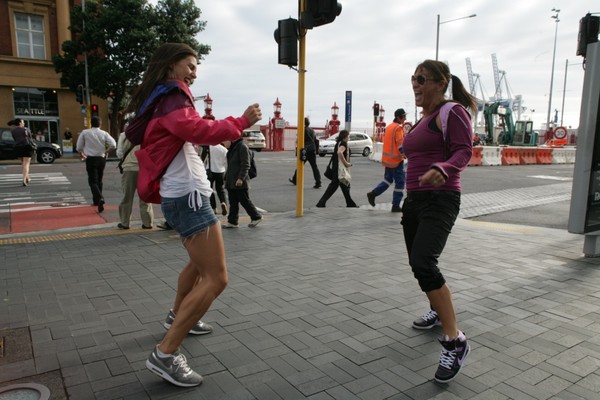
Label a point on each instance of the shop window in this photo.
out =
(35, 102)
(31, 41)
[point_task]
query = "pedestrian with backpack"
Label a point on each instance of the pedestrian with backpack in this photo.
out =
(237, 181)
(438, 148)
(172, 174)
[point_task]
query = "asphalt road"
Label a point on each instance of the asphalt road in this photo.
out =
(272, 192)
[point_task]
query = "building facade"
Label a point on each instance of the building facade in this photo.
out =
(31, 33)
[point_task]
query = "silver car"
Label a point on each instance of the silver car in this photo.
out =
(254, 139)
(358, 142)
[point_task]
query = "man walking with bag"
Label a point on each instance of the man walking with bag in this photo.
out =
(393, 161)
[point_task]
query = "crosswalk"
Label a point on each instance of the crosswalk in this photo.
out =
(14, 197)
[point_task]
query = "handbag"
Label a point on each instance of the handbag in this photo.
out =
(344, 175)
(328, 171)
(29, 144)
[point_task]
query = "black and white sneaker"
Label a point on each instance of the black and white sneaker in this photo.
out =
(427, 321)
(200, 328)
(173, 368)
(452, 358)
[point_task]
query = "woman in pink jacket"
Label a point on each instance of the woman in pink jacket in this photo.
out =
(172, 174)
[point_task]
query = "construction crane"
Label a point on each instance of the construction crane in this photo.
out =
(474, 79)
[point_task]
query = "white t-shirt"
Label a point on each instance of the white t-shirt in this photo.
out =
(218, 158)
(185, 175)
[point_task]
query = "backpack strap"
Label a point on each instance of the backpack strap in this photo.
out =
(120, 165)
(444, 112)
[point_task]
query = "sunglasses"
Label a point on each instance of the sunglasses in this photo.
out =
(420, 79)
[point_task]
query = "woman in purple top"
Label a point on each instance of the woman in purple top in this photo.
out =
(436, 156)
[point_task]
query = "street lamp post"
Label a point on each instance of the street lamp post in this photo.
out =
(562, 110)
(437, 37)
(555, 16)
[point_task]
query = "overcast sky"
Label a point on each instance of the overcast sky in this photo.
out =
(372, 49)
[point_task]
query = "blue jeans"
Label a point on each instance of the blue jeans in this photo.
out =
(396, 175)
(427, 219)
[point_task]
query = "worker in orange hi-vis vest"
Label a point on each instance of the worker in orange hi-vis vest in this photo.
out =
(393, 161)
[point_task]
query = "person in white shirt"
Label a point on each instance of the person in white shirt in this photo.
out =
(93, 145)
(216, 164)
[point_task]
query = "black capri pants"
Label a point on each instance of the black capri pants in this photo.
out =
(427, 220)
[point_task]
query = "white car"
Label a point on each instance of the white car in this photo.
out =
(254, 139)
(358, 142)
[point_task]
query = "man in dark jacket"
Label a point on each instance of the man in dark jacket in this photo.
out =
(311, 147)
(237, 183)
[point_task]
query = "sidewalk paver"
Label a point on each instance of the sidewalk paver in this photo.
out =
(317, 307)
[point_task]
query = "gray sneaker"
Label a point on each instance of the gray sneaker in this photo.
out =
(427, 321)
(200, 328)
(173, 368)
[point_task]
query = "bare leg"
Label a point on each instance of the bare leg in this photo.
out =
(188, 278)
(207, 256)
(441, 301)
(25, 162)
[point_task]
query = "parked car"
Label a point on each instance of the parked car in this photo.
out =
(46, 152)
(255, 140)
(358, 142)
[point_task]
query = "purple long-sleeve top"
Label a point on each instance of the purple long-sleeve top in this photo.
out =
(425, 147)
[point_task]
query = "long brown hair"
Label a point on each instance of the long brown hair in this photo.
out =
(441, 73)
(158, 71)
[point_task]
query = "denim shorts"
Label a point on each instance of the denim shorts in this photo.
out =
(187, 218)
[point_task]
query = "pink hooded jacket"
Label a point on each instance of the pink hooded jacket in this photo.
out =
(174, 122)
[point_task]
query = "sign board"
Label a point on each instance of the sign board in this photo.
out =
(67, 146)
(348, 114)
(584, 215)
(279, 124)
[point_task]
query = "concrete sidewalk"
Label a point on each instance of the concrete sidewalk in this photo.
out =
(317, 307)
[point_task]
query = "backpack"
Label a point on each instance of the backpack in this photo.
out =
(252, 173)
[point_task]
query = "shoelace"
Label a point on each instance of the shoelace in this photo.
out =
(181, 362)
(431, 314)
(447, 358)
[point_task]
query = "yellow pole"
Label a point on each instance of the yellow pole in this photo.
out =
(300, 133)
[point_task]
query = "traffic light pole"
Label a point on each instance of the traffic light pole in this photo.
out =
(300, 133)
(87, 78)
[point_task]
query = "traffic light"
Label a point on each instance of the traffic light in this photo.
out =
(588, 33)
(94, 110)
(376, 109)
(319, 12)
(286, 36)
(79, 94)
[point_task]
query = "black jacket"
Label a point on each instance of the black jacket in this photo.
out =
(238, 164)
